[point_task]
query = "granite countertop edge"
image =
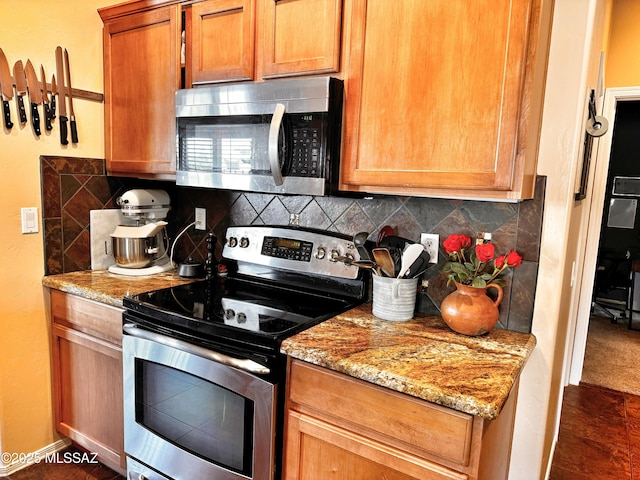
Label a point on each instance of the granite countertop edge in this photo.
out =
(110, 288)
(422, 358)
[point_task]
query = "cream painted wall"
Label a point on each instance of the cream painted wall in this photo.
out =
(31, 30)
(578, 35)
(623, 55)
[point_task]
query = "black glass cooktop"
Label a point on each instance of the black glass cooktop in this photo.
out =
(248, 312)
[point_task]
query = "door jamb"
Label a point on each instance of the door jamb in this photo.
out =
(599, 178)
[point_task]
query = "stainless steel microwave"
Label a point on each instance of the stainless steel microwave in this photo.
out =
(279, 136)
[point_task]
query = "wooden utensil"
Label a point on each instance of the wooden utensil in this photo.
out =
(383, 258)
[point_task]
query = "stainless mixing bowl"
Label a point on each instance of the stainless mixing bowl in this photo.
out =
(134, 252)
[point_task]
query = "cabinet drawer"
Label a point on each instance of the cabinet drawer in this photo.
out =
(405, 422)
(88, 316)
(332, 452)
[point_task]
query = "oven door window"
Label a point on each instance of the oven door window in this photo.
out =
(196, 415)
(231, 145)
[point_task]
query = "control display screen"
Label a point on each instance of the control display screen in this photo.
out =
(287, 248)
(287, 243)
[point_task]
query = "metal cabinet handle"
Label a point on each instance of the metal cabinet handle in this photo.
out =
(240, 363)
(274, 130)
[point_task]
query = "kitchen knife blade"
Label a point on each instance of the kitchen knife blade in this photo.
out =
(35, 96)
(72, 117)
(54, 90)
(45, 100)
(21, 89)
(7, 89)
(62, 97)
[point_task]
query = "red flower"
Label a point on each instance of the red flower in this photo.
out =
(455, 242)
(476, 267)
(485, 251)
(513, 259)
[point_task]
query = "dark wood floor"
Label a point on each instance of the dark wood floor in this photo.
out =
(599, 435)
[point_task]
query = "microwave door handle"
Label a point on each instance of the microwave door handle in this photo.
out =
(240, 363)
(274, 131)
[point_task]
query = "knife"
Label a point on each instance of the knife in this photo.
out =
(21, 89)
(62, 100)
(72, 117)
(45, 100)
(54, 90)
(35, 96)
(7, 89)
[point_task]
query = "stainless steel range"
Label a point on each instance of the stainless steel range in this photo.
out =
(203, 376)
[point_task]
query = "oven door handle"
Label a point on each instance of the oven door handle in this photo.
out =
(240, 363)
(274, 132)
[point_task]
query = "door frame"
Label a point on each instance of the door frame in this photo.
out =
(596, 210)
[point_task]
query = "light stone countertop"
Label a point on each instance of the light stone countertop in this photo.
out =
(110, 288)
(421, 357)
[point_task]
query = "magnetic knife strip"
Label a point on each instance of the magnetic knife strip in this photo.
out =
(56, 96)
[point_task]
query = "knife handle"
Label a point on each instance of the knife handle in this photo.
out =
(53, 107)
(7, 114)
(74, 130)
(63, 130)
(21, 111)
(47, 117)
(35, 118)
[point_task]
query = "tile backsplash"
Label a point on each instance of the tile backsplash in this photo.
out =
(71, 187)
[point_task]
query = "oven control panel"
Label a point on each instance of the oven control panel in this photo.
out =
(296, 249)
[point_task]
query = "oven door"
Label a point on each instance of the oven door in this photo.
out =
(189, 416)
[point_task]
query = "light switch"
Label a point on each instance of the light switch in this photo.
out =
(29, 219)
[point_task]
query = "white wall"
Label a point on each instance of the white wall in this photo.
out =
(575, 44)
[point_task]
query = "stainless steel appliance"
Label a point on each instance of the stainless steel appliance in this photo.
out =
(279, 136)
(203, 376)
(140, 247)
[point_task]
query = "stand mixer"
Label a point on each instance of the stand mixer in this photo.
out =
(141, 247)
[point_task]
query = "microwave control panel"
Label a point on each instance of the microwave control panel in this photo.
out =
(307, 146)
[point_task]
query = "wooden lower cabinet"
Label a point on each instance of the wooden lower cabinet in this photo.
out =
(343, 428)
(87, 376)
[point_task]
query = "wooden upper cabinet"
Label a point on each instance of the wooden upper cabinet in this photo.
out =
(234, 40)
(301, 37)
(444, 98)
(221, 41)
(141, 75)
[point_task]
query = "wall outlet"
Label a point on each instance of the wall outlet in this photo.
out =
(201, 218)
(431, 241)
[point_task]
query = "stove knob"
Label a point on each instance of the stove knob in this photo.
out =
(244, 242)
(232, 242)
(229, 314)
(242, 318)
(321, 252)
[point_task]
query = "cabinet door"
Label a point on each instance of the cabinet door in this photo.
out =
(438, 97)
(301, 37)
(142, 74)
(221, 41)
(316, 450)
(87, 384)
